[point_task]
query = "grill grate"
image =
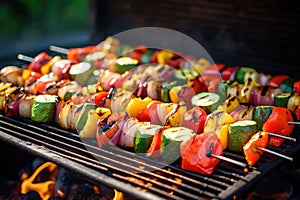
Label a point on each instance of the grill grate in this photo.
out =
(155, 177)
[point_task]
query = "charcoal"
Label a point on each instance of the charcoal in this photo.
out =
(32, 195)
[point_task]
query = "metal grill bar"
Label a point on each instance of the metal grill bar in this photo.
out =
(225, 182)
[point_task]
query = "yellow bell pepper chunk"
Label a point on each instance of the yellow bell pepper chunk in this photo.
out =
(174, 94)
(223, 136)
(102, 112)
(163, 56)
(90, 128)
(229, 105)
(136, 105)
(175, 119)
(45, 69)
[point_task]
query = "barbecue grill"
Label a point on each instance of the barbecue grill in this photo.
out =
(230, 23)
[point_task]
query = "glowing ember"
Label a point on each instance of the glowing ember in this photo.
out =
(45, 189)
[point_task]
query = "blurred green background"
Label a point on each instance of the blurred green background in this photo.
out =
(33, 23)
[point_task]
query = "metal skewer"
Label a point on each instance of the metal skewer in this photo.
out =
(294, 123)
(58, 49)
(235, 162)
(275, 153)
(25, 58)
(282, 136)
(241, 164)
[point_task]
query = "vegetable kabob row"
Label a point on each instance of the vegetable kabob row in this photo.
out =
(153, 140)
(68, 121)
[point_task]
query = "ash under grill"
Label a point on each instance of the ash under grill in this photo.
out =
(132, 174)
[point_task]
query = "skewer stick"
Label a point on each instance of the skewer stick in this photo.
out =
(241, 164)
(58, 49)
(25, 58)
(210, 154)
(281, 136)
(275, 153)
(294, 123)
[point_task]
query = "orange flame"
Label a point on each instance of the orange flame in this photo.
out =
(118, 195)
(45, 189)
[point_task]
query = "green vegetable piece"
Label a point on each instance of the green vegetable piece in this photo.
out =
(144, 137)
(261, 114)
(44, 108)
(239, 133)
(83, 115)
(171, 140)
(206, 100)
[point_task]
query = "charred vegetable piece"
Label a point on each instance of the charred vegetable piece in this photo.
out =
(208, 101)
(230, 104)
(194, 119)
(261, 114)
(239, 133)
(120, 100)
(241, 74)
(86, 124)
(245, 93)
(25, 106)
(217, 122)
(194, 153)
(252, 153)
(278, 123)
(243, 113)
(43, 108)
(171, 139)
(144, 137)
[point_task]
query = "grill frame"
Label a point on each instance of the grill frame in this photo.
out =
(17, 132)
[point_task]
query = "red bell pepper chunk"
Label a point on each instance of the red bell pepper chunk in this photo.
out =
(194, 153)
(278, 123)
(99, 98)
(277, 80)
(195, 119)
(154, 149)
(199, 85)
(297, 87)
(252, 153)
(149, 114)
